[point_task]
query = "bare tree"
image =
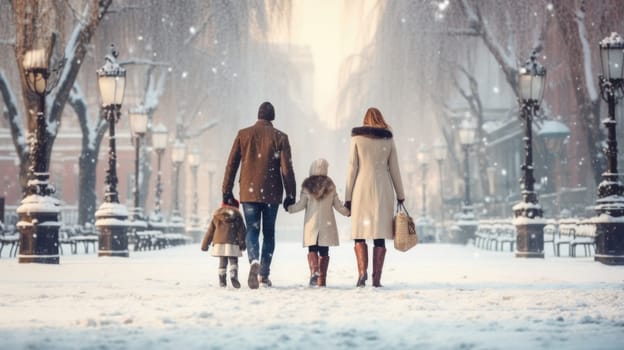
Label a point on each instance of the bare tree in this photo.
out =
(28, 17)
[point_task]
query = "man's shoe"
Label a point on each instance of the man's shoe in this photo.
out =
(252, 281)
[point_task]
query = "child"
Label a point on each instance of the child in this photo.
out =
(227, 235)
(318, 196)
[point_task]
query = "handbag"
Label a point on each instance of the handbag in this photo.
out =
(404, 229)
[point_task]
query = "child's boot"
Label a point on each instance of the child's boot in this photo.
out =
(222, 278)
(313, 261)
(323, 264)
(234, 276)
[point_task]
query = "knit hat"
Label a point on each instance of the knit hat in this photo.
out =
(319, 167)
(266, 111)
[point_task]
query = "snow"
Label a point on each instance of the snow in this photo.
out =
(435, 297)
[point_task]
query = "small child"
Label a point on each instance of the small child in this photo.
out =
(227, 235)
(318, 197)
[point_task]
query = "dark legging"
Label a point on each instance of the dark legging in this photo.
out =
(377, 242)
(223, 262)
(322, 251)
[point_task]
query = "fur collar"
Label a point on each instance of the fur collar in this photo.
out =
(318, 186)
(227, 214)
(369, 131)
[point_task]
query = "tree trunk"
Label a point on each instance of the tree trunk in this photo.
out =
(87, 200)
(588, 112)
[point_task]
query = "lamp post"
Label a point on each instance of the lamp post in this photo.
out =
(439, 154)
(466, 221)
(38, 213)
(528, 213)
(138, 125)
(555, 134)
(194, 231)
(610, 204)
(111, 217)
(176, 222)
(422, 157)
(159, 144)
(424, 224)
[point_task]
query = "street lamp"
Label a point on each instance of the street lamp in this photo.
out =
(423, 157)
(176, 222)
(467, 222)
(439, 154)
(138, 125)
(111, 217)
(610, 203)
(555, 134)
(194, 231)
(159, 144)
(38, 213)
(528, 213)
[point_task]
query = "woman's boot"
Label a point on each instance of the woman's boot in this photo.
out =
(379, 254)
(361, 253)
(313, 261)
(323, 264)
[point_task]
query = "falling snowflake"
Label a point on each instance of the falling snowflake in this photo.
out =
(192, 30)
(251, 189)
(140, 38)
(184, 74)
(214, 70)
(366, 222)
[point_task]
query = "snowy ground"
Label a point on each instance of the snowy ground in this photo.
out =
(435, 296)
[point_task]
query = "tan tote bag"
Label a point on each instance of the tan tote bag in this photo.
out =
(404, 229)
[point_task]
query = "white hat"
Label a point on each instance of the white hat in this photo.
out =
(319, 167)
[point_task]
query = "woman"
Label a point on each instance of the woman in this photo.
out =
(372, 180)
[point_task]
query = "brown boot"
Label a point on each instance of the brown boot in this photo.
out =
(379, 253)
(323, 263)
(361, 253)
(313, 261)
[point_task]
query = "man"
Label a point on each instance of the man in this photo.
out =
(266, 170)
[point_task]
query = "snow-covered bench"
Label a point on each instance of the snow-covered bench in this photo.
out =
(10, 239)
(574, 233)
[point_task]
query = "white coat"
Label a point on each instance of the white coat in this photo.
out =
(373, 179)
(319, 198)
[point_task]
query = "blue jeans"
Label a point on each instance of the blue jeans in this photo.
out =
(255, 215)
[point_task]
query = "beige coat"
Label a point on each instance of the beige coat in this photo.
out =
(373, 179)
(319, 198)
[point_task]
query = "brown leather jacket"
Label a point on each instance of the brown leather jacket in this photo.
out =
(263, 153)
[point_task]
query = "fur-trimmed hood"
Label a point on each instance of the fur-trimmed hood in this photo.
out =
(318, 186)
(369, 131)
(226, 214)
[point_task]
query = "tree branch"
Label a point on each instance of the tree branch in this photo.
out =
(198, 131)
(12, 116)
(143, 62)
(75, 52)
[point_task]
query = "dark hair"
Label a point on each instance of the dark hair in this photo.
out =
(266, 111)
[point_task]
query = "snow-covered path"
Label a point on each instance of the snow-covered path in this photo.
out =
(435, 296)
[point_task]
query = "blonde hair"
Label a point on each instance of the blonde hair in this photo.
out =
(374, 118)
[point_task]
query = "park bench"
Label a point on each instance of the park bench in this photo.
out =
(9, 237)
(505, 234)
